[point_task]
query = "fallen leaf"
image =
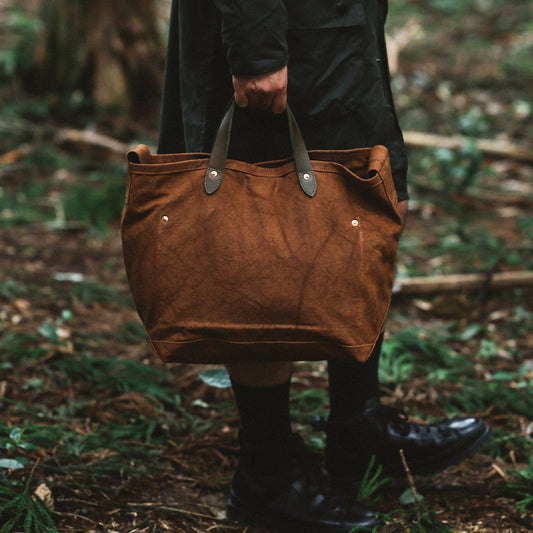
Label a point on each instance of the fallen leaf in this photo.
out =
(45, 495)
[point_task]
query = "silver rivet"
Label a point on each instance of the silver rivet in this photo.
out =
(355, 222)
(213, 174)
(306, 177)
(164, 218)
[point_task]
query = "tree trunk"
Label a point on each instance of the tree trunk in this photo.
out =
(109, 51)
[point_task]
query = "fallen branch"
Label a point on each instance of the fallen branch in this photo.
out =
(496, 148)
(93, 138)
(463, 282)
(481, 199)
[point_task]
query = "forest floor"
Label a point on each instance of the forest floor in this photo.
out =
(112, 440)
(123, 450)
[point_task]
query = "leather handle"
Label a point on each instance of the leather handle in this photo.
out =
(219, 154)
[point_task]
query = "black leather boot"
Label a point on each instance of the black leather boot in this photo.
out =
(382, 431)
(291, 494)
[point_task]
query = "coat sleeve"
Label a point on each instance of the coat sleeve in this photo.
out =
(171, 133)
(254, 34)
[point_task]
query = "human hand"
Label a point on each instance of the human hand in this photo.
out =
(267, 92)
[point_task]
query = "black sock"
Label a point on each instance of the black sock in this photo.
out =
(265, 418)
(351, 383)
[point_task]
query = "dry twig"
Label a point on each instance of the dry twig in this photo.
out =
(463, 282)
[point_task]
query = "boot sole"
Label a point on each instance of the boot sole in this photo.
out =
(253, 514)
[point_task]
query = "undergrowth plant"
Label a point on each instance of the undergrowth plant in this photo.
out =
(478, 396)
(521, 486)
(415, 515)
(98, 200)
(371, 482)
(453, 171)
(413, 350)
(19, 346)
(423, 520)
(24, 510)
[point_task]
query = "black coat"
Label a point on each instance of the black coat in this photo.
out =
(339, 87)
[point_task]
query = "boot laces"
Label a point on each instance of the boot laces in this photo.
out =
(399, 420)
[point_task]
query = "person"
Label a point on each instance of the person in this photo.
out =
(327, 58)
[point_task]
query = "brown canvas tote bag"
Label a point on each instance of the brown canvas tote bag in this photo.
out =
(281, 260)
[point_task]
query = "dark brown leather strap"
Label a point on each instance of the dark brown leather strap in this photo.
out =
(219, 154)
